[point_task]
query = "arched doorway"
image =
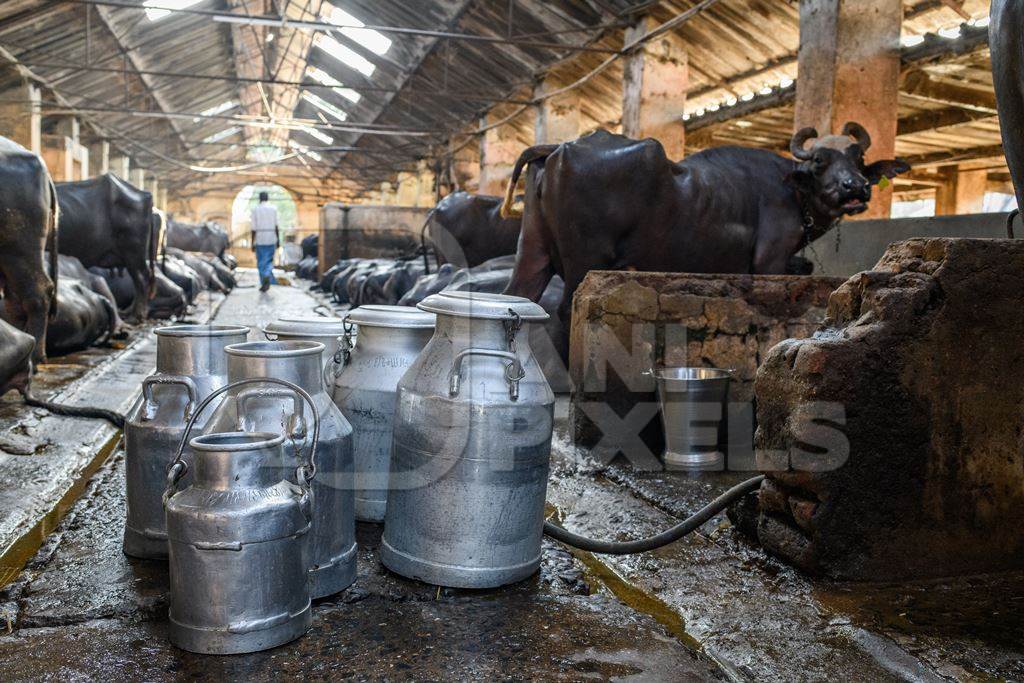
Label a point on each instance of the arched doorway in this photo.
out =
(248, 197)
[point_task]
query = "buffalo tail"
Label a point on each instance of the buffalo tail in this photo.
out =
(529, 155)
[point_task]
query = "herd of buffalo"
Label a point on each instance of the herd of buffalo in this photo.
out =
(607, 202)
(77, 259)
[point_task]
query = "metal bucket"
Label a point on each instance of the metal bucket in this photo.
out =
(391, 337)
(276, 410)
(326, 330)
(239, 549)
(472, 442)
(190, 364)
(693, 409)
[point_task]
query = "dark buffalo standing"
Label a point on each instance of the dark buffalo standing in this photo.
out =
(28, 225)
(606, 202)
(1006, 40)
(108, 223)
(207, 236)
(468, 229)
(15, 358)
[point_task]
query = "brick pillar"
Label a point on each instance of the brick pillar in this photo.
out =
(138, 178)
(162, 201)
(408, 188)
(154, 189)
(558, 117)
(99, 158)
(499, 150)
(21, 118)
(848, 70)
(654, 82)
(961, 192)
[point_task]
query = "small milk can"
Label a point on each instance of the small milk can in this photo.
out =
(239, 539)
(390, 339)
(326, 330)
(472, 439)
(269, 409)
(190, 363)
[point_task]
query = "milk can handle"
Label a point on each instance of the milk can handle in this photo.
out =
(149, 403)
(297, 423)
(270, 336)
(304, 473)
(513, 370)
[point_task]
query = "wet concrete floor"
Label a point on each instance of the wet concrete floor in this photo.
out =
(712, 606)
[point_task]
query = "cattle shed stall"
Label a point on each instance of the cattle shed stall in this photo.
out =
(653, 339)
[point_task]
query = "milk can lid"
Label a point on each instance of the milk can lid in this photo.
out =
(307, 326)
(483, 305)
(374, 315)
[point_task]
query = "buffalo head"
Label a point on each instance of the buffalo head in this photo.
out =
(831, 173)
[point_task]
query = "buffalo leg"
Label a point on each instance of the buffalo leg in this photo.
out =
(140, 279)
(28, 295)
(1007, 45)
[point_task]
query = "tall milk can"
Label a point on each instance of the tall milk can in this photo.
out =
(390, 339)
(472, 439)
(239, 547)
(190, 363)
(326, 330)
(275, 409)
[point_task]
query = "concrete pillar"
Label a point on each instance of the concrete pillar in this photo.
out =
(138, 178)
(962, 192)
(385, 194)
(499, 150)
(162, 202)
(558, 117)
(425, 195)
(408, 187)
(848, 70)
(21, 117)
(655, 77)
(99, 158)
(120, 166)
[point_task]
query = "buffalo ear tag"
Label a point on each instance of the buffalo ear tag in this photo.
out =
(883, 183)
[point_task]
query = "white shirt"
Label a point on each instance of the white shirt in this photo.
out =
(264, 223)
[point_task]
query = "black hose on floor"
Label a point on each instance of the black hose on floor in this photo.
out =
(114, 418)
(671, 535)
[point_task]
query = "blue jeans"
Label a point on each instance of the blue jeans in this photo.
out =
(265, 261)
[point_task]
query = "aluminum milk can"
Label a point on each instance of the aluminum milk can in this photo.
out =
(472, 439)
(326, 330)
(277, 410)
(190, 363)
(239, 548)
(390, 339)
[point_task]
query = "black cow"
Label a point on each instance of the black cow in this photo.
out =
(108, 223)
(15, 358)
(606, 202)
(169, 300)
(178, 272)
(72, 268)
(1006, 41)
(28, 225)
(206, 236)
(207, 273)
(83, 318)
(468, 229)
(428, 284)
(310, 246)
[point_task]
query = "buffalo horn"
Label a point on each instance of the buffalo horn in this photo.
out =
(858, 133)
(796, 145)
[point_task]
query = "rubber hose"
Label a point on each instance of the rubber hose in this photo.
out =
(114, 418)
(671, 535)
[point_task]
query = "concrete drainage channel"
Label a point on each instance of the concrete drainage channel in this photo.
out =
(47, 460)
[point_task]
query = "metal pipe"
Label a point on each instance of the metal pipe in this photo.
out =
(284, 22)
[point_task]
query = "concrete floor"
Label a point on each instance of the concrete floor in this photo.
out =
(709, 607)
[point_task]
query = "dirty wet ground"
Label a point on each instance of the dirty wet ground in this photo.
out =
(712, 606)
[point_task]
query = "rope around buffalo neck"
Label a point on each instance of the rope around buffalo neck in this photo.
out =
(691, 523)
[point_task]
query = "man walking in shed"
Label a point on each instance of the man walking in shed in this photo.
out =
(265, 240)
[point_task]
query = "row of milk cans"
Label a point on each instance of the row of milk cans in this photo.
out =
(248, 462)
